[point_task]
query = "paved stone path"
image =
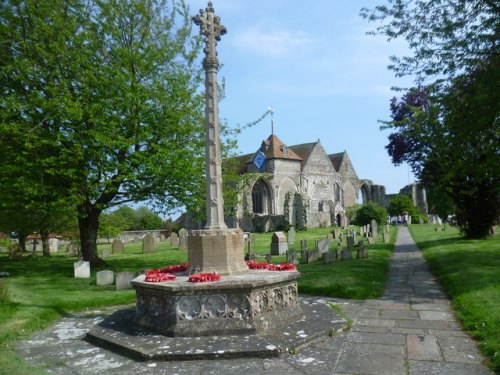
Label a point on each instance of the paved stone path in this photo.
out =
(409, 331)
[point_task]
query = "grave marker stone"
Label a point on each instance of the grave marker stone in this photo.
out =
(339, 252)
(292, 257)
(72, 249)
(279, 245)
(117, 246)
(303, 244)
(362, 251)
(82, 269)
(148, 243)
(387, 237)
(174, 239)
(323, 246)
(105, 253)
(105, 277)
(123, 280)
(291, 236)
(346, 254)
(350, 243)
(329, 257)
(329, 237)
(183, 233)
(371, 240)
(374, 229)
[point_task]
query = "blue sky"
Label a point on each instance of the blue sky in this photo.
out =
(325, 79)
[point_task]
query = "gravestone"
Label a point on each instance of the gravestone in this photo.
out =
(123, 280)
(329, 257)
(346, 254)
(291, 235)
(329, 237)
(387, 237)
(148, 243)
(105, 253)
(362, 251)
(53, 244)
(371, 240)
(361, 231)
(174, 239)
(322, 246)
(72, 249)
(82, 269)
(304, 256)
(308, 256)
(336, 233)
(303, 244)
(183, 233)
(350, 243)
(279, 245)
(162, 237)
(374, 228)
(339, 252)
(105, 277)
(117, 246)
(292, 257)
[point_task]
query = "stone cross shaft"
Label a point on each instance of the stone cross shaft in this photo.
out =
(211, 29)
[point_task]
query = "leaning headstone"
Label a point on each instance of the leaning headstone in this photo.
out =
(350, 243)
(117, 246)
(105, 253)
(82, 269)
(174, 239)
(303, 244)
(123, 280)
(291, 257)
(148, 243)
(183, 235)
(291, 236)
(374, 228)
(105, 277)
(346, 254)
(329, 257)
(279, 245)
(322, 246)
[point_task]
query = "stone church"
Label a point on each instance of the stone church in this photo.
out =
(298, 185)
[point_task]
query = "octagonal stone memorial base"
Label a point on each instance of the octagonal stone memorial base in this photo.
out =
(238, 304)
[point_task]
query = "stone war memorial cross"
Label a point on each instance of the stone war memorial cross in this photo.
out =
(215, 248)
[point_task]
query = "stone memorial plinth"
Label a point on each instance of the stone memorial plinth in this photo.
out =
(219, 251)
(237, 304)
(82, 269)
(279, 244)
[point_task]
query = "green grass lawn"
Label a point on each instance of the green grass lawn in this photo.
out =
(469, 270)
(40, 290)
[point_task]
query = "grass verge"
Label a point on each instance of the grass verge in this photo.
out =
(469, 271)
(40, 290)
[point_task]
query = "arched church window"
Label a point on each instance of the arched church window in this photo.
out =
(257, 199)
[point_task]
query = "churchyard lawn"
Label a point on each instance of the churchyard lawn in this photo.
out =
(469, 271)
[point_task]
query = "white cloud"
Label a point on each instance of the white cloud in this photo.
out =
(273, 43)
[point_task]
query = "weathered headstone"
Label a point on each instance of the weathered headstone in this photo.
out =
(346, 254)
(82, 269)
(361, 231)
(304, 256)
(303, 244)
(313, 255)
(279, 245)
(72, 249)
(105, 277)
(322, 246)
(105, 253)
(362, 251)
(374, 229)
(371, 240)
(162, 237)
(183, 234)
(329, 257)
(291, 236)
(292, 257)
(148, 243)
(174, 239)
(53, 244)
(387, 237)
(117, 246)
(339, 252)
(123, 280)
(350, 243)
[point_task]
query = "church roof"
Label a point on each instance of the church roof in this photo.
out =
(337, 159)
(304, 150)
(274, 148)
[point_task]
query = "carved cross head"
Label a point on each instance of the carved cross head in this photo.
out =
(210, 28)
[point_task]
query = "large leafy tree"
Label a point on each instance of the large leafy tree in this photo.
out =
(447, 127)
(103, 96)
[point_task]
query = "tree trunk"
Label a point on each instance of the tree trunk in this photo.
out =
(88, 222)
(22, 242)
(44, 234)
